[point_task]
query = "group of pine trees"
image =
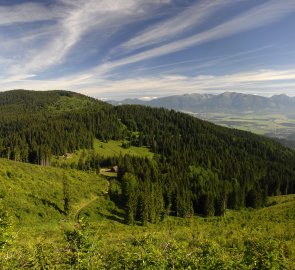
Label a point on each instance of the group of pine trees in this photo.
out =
(202, 168)
(32, 129)
(198, 167)
(150, 191)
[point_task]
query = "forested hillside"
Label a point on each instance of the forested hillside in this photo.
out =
(198, 167)
(36, 125)
(201, 168)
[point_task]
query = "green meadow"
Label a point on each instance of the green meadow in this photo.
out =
(105, 149)
(115, 148)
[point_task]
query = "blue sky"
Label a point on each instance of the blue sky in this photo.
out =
(116, 49)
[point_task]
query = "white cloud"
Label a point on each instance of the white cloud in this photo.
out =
(27, 12)
(73, 19)
(168, 85)
(259, 16)
(78, 18)
(247, 82)
(190, 18)
(147, 98)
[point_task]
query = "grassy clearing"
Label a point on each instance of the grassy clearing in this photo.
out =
(108, 173)
(106, 149)
(114, 148)
(275, 221)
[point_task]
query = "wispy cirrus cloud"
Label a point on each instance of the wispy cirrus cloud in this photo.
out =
(75, 19)
(188, 19)
(199, 63)
(116, 47)
(259, 16)
(28, 12)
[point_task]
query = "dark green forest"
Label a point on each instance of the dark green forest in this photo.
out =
(198, 167)
(36, 125)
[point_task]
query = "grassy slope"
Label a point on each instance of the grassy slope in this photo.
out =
(277, 220)
(260, 233)
(34, 194)
(26, 191)
(57, 101)
(256, 238)
(68, 104)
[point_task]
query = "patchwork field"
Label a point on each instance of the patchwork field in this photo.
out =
(275, 125)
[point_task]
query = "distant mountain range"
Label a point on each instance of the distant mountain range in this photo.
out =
(228, 102)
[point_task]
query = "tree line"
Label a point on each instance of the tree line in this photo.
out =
(198, 167)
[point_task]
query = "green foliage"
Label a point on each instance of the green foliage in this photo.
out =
(266, 254)
(142, 190)
(77, 244)
(245, 239)
(5, 229)
(205, 167)
(66, 196)
(130, 190)
(115, 191)
(36, 194)
(103, 155)
(117, 148)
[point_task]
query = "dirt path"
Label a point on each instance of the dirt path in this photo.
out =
(85, 205)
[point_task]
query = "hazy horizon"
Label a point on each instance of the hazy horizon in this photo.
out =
(146, 98)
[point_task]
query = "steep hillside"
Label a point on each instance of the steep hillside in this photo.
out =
(35, 194)
(198, 167)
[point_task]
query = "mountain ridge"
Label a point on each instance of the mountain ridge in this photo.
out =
(227, 102)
